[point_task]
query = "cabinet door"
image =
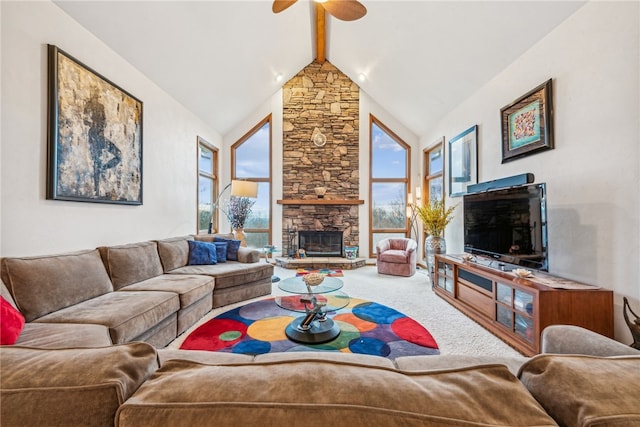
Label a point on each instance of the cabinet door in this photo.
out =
(523, 306)
(504, 305)
(445, 276)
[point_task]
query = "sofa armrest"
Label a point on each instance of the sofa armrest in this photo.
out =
(248, 255)
(566, 339)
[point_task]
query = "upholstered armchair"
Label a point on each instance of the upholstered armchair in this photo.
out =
(397, 256)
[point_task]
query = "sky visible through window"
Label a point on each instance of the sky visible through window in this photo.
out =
(389, 160)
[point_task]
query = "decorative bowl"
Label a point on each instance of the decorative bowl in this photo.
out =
(320, 191)
(521, 272)
(313, 279)
(467, 257)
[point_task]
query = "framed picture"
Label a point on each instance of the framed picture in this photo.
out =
(527, 124)
(463, 161)
(94, 136)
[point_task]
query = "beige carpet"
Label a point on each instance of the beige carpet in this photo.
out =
(454, 332)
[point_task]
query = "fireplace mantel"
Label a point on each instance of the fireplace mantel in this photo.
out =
(320, 202)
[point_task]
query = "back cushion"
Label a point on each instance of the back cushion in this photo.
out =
(133, 263)
(71, 387)
(174, 252)
(42, 285)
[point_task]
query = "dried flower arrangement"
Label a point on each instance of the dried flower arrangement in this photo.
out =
(435, 217)
(238, 210)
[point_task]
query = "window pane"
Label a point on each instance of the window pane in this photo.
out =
(389, 205)
(257, 240)
(436, 191)
(379, 236)
(259, 217)
(435, 161)
(388, 158)
(205, 160)
(252, 156)
(205, 199)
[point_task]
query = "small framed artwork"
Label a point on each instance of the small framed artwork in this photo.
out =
(527, 124)
(463, 161)
(94, 136)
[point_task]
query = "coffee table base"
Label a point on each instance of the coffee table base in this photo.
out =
(319, 331)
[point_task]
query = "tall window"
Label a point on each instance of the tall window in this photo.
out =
(207, 185)
(251, 160)
(389, 184)
(433, 176)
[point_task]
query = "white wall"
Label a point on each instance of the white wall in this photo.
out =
(593, 174)
(32, 225)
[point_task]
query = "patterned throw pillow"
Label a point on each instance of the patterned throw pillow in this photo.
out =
(221, 251)
(11, 323)
(202, 253)
(232, 247)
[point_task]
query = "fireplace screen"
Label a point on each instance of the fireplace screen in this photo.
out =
(321, 243)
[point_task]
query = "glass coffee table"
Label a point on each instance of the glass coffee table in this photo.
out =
(315, 301)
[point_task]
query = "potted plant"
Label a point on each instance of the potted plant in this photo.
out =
(435, 218)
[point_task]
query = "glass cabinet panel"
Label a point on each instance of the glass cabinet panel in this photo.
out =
(523, 301)
(504, 316)
(524, 327)
(504, 294)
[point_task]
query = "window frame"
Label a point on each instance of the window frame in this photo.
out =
(406, 181)
(213, 176)
(268, 179)
(428, 177)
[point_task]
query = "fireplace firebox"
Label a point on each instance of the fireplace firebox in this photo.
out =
(321, 243)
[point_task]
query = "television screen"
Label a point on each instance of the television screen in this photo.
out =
(508, 225)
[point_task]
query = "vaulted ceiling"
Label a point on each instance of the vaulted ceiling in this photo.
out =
(221, 59)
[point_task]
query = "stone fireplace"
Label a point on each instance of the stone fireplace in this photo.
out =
(320, 98)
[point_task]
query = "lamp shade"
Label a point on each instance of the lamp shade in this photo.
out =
(244, 188)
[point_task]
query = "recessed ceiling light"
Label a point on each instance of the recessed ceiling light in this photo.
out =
(278, 77)
(362, 77)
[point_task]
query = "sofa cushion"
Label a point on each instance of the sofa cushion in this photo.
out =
(329, 393)
(174, 252)
(69, 387)
(232, 247)
(393, 255)
(231, 273)
(11, 323)
(245, 255)
(190, 288)
(457, 361)
(64, 335)
(127, 314)
(45, 284)
(202, 253)
(586, 391)
(131, 263)
(221, 251)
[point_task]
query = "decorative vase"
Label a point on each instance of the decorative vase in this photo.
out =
(433, 245)
(238, 234)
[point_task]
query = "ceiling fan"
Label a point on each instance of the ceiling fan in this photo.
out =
(345, 10)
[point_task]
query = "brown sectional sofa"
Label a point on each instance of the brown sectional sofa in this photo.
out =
(136, 292)
(136, 385)
(73, 364)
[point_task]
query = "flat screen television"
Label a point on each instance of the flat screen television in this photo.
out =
(508, 226)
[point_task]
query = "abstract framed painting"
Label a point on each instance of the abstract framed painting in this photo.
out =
(463, 161)
(527, 124)
(94, 136)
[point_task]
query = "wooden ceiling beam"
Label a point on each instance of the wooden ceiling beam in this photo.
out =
(320, 33)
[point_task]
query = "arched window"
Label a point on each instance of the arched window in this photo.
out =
(251, 161)
(389, 184)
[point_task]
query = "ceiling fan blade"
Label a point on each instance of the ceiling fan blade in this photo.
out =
(345, 10)
(280, 5)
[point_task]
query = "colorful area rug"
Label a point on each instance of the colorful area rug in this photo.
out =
(366, 327)
(326, 271)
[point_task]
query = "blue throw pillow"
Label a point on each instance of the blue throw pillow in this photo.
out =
(202, 253)
(221, 251)
(232, 247)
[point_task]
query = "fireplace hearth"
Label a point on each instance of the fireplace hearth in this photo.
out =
(321, 243)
